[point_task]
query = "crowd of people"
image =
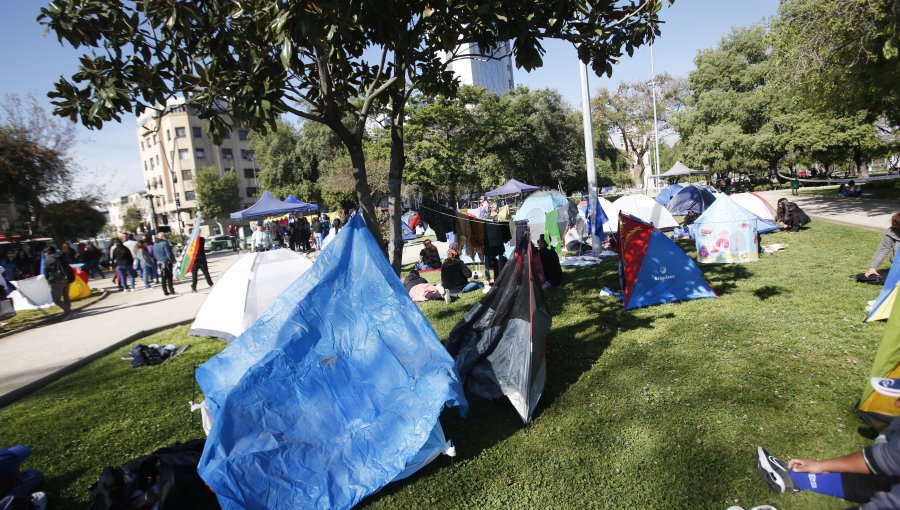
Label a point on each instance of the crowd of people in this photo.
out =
(296, 232)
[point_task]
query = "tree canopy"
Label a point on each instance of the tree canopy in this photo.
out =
(218, 196)
(328, 64)
(73, 219)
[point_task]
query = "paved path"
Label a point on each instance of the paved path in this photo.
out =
(860, 212)
(33, 356)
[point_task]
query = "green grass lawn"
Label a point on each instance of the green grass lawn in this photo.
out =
(881, 190)
(24, 318)
(656, 408)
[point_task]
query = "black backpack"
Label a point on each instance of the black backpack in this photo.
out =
(130, 486)
(58, 271)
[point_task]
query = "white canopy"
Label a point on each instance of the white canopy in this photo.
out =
(245, 291)
(32, 293)
(646, 209)
(680, 169)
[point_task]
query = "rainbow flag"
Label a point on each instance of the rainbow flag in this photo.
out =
(189, 253)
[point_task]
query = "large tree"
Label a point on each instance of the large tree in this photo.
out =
(291, 160)
(330, 63)
(217, 195)
(35, 165)
(627, 116)
(72, 219)
(840, 56)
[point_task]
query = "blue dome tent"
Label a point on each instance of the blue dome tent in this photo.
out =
(690, 199)
(666, 194)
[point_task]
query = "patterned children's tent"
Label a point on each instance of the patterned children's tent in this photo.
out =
(653, 269)
(333, 393)
(726, 233)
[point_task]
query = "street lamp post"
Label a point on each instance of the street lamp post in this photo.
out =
(153, 222)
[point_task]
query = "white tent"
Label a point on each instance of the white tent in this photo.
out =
(679, 169)
(609, 209)
(245, 291)
(646, 209)
(755, 204)
(32, 293)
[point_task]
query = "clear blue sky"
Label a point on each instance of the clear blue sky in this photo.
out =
(33, 62)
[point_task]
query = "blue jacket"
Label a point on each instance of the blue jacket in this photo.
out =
(162, 250)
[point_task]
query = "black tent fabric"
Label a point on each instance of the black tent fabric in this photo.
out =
(500, 344)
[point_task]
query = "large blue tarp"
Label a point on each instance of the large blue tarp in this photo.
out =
(334, 392)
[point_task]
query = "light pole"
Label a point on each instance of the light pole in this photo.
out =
(154, 223)
(589, 154)
(655, 126)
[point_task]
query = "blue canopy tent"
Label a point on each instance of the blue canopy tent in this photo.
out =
(291, 199)
(690, 198)
(267, 205)
(333, 393)
(511, 187)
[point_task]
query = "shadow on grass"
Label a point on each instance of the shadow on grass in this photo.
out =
(764, 293)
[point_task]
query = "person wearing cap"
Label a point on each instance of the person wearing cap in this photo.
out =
(19, 484)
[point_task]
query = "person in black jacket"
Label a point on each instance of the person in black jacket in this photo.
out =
(550, 262)
(455, 274)
(57, 271)
(123, 260)
(200, 264)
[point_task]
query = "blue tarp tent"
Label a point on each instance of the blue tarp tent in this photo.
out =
(653, 269)
(690, 198)
(334, 392)
(267, 205)
(885, 303)
(726, 233)
(511, 187)
(291, 199)
(408, 233)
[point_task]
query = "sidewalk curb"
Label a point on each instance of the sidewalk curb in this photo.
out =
(33, 386)
(54, 319)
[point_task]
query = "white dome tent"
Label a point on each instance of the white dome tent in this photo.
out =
(647, 210)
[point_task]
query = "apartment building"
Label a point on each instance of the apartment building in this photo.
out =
(174, 145)
(494, 74)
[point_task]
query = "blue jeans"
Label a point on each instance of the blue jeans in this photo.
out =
(469, 287)
(422, 267)
(146, 272)
(125, 272)
(319, 239)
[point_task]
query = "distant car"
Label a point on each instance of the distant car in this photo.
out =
(804, 173)
(218, 243)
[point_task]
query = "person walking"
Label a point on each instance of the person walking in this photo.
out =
(200, 265)
(59, 275)
(165, 258)
(124, 260)
(144, 263)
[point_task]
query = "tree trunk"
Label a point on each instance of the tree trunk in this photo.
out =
(363, 191)
(861, 170)
(395, 170)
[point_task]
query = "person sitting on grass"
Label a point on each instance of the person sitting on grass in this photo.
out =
(791, 215)
(550, 262)
(455, 275)
(19, 489)
(429, 258)
(420, 290)
(887, 246)
(870, 477)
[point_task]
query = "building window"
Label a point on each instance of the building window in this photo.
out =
(152, 164)
(145, 166)
(183, 154)
(168, 135)
(186, 175)
(227, 154)
(249, 173)
(243, 134)
(251, 191)
(174, 177)
(189, 195)
(248, 155)
(198, 133)
(200, 153)
(226, 135)
(157, 159)
(142, 145)
(179, 132)
(154, 139)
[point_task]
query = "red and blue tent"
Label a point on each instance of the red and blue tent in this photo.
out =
(653, 269)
